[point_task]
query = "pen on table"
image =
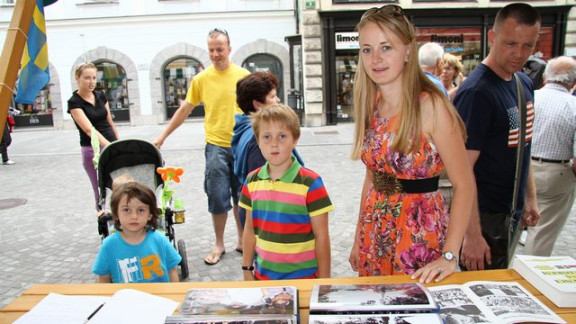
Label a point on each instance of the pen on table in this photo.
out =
(94, 312)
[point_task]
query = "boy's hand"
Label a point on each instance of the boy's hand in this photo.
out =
(248, 275)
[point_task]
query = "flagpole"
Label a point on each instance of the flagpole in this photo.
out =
(12, 54)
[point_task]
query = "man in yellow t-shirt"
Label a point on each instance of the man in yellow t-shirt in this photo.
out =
(216, 88)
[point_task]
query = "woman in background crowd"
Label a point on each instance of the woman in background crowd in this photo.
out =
(451, 75)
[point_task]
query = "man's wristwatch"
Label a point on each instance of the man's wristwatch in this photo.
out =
(248, 268)
(449, 256)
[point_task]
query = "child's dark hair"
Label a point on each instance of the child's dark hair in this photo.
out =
(255, 86)
(138, 191)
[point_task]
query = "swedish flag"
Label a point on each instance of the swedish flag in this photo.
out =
(34, 74)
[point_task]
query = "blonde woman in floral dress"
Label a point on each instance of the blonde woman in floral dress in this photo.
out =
(407, 133)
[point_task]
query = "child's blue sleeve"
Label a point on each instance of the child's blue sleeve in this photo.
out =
(101, 266)
(172, 257)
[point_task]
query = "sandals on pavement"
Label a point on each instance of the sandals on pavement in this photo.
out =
(214, 256)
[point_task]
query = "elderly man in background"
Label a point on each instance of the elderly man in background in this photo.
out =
(430, 61)
(553, 155)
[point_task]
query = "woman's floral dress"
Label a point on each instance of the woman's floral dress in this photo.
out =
(402, 232)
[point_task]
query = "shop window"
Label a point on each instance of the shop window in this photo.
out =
(176, 81)
(111, 78)
(543, 48)
(465, 43)
(346, 62)
(37, 114)
(266, 63)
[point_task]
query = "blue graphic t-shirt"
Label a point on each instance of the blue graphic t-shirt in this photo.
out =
(148, 261)
(488, 105)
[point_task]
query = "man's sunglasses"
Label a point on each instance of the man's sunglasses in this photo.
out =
(219, 31)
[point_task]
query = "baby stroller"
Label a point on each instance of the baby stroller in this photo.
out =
(139, 159)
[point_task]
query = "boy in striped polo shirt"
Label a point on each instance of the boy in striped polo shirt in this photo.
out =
(286, 231)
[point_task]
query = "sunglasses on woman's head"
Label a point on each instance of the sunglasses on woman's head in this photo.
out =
(391, 9)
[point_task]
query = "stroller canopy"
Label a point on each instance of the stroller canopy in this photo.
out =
(125, 154)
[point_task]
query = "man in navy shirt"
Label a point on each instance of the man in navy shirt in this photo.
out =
(487, 102)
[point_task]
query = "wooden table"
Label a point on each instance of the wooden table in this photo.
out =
(177, 291)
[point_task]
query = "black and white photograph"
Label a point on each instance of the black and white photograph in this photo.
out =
(478, 302)
(372, 298)
(457, 308)
(504, 304)
(482, 290)
(222, 320)
(422, 318)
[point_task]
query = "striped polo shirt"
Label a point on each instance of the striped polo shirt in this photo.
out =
(281, 211)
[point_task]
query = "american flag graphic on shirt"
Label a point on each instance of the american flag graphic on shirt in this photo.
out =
(514, 122)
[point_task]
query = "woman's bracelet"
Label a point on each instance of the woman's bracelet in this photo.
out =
(248, 268)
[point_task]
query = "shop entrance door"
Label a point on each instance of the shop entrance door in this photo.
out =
(266, 63)
(346, 63)
(177, 76)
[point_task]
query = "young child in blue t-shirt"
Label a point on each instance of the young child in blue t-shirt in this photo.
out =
(136, 252)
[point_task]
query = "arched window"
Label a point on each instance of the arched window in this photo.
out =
(176, 80)
(266, 62)
(111, 78)
(38, 114)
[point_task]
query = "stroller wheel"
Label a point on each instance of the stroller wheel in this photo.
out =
(184, 263)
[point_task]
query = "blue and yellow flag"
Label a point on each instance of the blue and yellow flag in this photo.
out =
(34, 74)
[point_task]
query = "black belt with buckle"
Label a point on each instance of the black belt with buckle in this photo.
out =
(390, 185)
(549, 160)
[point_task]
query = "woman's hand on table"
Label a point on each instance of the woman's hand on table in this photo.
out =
(439, 269)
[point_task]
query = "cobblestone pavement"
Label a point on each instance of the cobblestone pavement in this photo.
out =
(53, 238)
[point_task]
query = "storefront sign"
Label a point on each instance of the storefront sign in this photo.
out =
(347, 41)
(26, 120)
(447, 39)
(450, 49)
(451, 43)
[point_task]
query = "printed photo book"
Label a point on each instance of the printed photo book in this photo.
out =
(253, 305)
(372, 299)
(554, 276)
(491, 302)
(415, 318)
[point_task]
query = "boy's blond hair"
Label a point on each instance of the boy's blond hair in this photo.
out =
(276, 113)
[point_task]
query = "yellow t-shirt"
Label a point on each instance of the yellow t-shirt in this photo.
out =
(217, 90)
